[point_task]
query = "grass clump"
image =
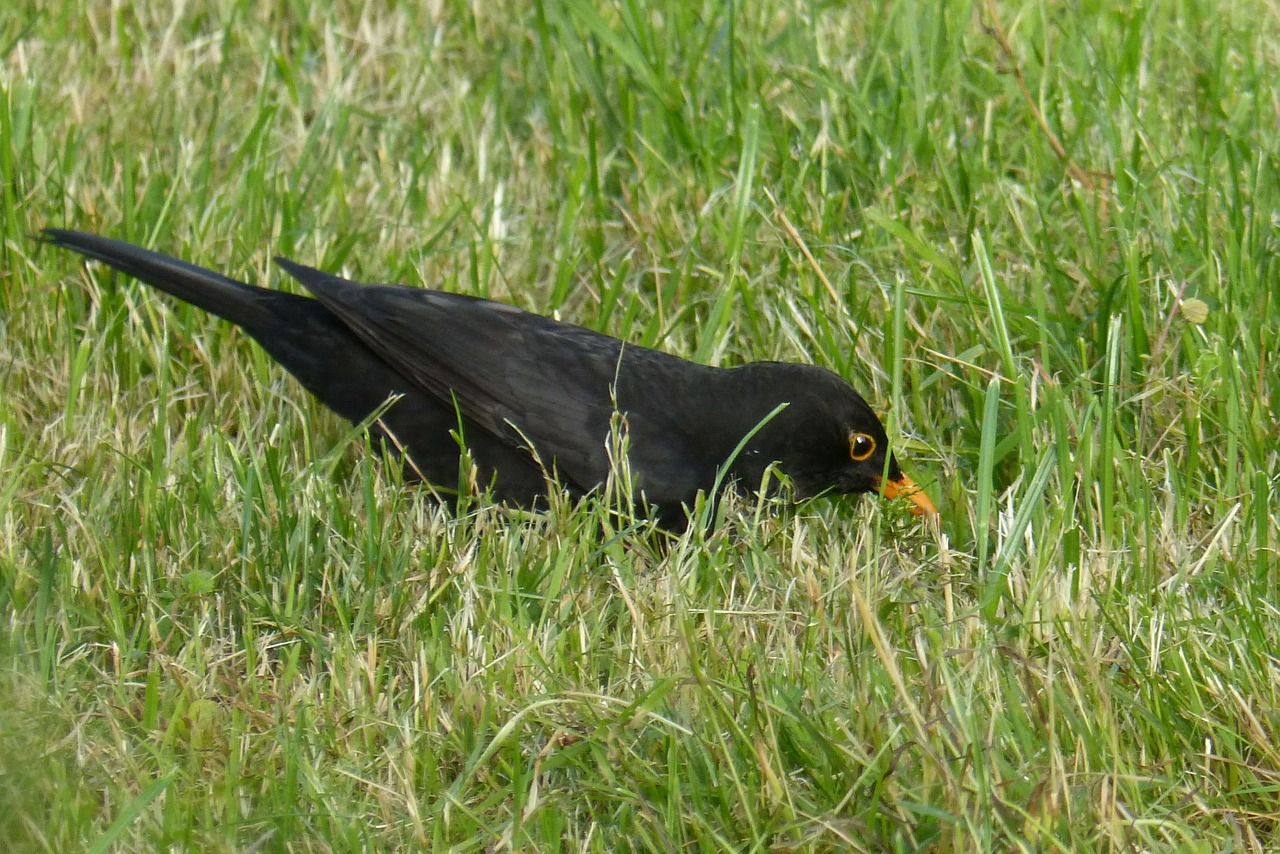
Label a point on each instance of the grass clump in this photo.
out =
(1040, 239)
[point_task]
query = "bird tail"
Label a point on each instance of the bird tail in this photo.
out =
(234, 301)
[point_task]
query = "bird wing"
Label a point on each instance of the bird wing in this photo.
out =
(524, 378)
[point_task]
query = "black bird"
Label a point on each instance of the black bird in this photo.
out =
(529, 395)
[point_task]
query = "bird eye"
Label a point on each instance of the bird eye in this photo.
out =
(861, 446)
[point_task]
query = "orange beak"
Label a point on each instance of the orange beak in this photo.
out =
(905, 487)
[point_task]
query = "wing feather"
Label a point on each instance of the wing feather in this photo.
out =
(527, 379)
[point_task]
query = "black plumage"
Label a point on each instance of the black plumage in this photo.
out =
(529, 394)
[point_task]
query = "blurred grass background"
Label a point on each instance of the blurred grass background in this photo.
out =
(1040, 237)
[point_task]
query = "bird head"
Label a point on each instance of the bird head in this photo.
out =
(828, 440)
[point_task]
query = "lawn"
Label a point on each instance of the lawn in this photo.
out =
(1039, 237)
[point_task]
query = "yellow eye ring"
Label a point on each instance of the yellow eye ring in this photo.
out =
(861, 446)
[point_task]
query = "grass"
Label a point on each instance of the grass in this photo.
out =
(226, 626)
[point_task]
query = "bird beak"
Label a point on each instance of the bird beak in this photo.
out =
(906, 488)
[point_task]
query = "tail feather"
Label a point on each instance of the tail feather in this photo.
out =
(235, 301)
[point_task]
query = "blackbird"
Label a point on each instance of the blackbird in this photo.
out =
(531, 397)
